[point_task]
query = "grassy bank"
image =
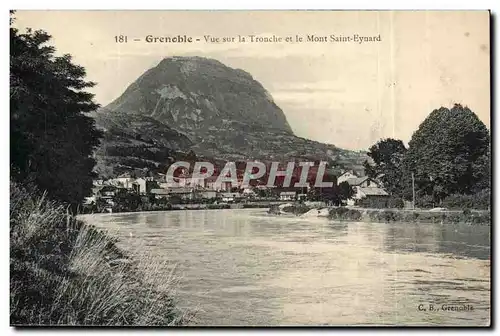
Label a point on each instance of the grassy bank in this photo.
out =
(392, 215)
(193, 206)
(64, 272)
(417, 216)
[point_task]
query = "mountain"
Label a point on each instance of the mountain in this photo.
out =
(194, 93)
(136, 142)
(199, 104)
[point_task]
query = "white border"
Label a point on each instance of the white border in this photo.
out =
(190, 4)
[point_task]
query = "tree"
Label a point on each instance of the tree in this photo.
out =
(51, 139)
(387, 155)
(370, 170)
(448, 154)
(345, 191)
(332, 195)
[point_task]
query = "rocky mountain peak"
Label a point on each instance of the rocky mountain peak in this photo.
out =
(191, 94)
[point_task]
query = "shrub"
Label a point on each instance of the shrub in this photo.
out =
(274, 210)
(342, 213)
(300, 209)
(395, 202)
(354, 215)
(218, 206)
(424, 201)
(390, 216)
(480, 201)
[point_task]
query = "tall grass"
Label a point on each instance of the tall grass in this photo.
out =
(65, 272)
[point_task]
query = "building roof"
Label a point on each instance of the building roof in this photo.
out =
(160, 191)
(373, 191)
(108, 188)
(230, 194)
(355, 181)
(288, 193)
(348, 172)
(180, 191)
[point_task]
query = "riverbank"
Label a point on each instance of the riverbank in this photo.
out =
(412, 216)
(198, 206)
(391, 215)
(65, 272)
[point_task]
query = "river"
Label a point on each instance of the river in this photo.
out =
(244, 267)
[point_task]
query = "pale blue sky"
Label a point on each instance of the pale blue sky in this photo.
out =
(349, 95)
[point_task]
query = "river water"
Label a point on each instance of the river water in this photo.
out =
(244, 267)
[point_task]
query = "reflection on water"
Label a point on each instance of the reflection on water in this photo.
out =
(458, 240)
(243, 267)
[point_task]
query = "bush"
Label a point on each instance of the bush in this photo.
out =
(381, 203)
(354, 215)
(300, 209)
(341, 213)
(479, 201)
(390, 216)
(256, 205)
(395, 202)
(218, 206)
(274, 209)
(64, 272)
(424, 201)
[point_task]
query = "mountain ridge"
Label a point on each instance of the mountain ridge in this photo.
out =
(201, 105)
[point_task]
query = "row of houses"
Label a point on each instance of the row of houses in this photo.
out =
(187, 189)
(183, 189)
(146, 184)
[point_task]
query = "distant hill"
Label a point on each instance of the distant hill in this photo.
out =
(199, 104)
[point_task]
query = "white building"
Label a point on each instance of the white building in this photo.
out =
(230, 196)
(365, 187)
(287, 196)
(144, 185)
(346, 176)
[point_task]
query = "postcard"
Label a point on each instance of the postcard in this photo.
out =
(250, 168)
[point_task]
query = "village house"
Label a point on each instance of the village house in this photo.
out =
(230, 196)
(122, 181)
(98, 183)
(160, 193)
(288, 196)
(178, 182)
(164, 185)
(105, 193)
(302, 197)
(208, 194)
(375, 194)
(365, 188)
(364, 182)
(144, 185)
(182, 193)
(211, 183)
(346, 176)
(248, 192)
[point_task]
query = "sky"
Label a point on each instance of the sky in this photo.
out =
(344, 93)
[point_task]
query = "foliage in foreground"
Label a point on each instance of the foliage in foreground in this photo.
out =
(64, 272)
